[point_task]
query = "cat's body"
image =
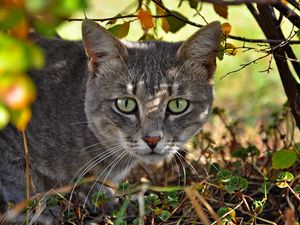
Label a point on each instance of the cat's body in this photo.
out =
(106, 112)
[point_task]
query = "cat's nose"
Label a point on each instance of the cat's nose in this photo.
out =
(152, 141)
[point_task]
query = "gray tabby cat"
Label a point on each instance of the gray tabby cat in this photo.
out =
(122, 104)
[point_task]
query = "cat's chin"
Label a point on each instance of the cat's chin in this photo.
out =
(153, 158)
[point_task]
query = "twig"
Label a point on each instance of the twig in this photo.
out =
(245, 65)
(238, 2)
(27, 173)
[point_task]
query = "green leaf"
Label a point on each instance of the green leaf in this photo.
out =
(297, 189)
(120, 30)
(4, 116)
(36, 6)
(164, 215)
(298, 34)
(194, 4)
(66, 7)
(224, 175)
(283, 178)
(229, 217)
(284, 159)
(9, 18)
(176, 24)
(99, 199)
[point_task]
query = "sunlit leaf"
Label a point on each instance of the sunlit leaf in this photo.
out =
(36, 5)
(283, 178)
(66, 7)
(230, 49)
(120, 30)
(21, 118)
(221, 10)
(4, 116)
(226, 29)
(165, 25)
(20, 93)
(145, 19)
(284, 159)
(24, 53)
(176, 24)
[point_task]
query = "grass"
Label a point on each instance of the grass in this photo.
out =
(229, 174)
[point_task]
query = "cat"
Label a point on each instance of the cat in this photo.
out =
(105, 105)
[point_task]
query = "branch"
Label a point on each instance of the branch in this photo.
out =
(290, 84)
(238, 2)
(294, 3)
(288, 13)
(243, 39)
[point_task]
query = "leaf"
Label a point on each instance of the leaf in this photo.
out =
(298, 34)
(226, 29)
(164, 215)
(224, 210)
(283, 178)
(176, 24)
(194, 4)
(9, 18)
(145, 18)
(20, 118)
(19, 93)
(284, 159)
(230, 49)
(221, 10)
(120, 30)
(4, 116)
(165, 25)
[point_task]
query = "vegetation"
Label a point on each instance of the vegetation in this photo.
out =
(236, 171)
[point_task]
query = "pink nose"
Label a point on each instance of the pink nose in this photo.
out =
(152, 141)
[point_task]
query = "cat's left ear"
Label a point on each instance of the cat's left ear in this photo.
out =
(202, 47)
(100, 45)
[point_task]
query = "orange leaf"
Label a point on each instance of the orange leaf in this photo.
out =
(145, 19)
(21, 30)
(221, 10)
(165, 25)
(226, 29)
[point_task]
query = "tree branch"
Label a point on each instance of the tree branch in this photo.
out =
(294, 3)
(290, 85)
(238, 2)
(288, 13)
(243, 39)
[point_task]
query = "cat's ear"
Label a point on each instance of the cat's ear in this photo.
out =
(100, 45)
(202, 47)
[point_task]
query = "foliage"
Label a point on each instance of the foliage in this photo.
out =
(18, 54)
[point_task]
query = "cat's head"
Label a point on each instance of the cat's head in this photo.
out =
(149, 98)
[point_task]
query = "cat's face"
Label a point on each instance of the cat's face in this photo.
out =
(149, 98)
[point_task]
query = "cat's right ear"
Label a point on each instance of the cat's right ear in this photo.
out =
(100, 45)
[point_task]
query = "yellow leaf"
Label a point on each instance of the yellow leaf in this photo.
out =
(145, 19)
(230, 49)
(21, 118)
(4, 116)
(226, 29)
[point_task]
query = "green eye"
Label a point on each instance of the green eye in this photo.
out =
(126, 105)
(178, 105)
